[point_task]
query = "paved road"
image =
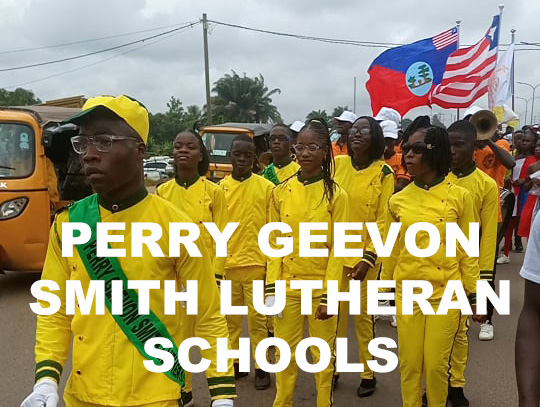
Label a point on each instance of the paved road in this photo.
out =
(490, 372)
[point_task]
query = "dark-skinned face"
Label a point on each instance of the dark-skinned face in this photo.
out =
(280, 142)
(413, 161)
(527, 142)
(187, 151)
(311, 162)
(537, 150)
(242, 157)
(118, 169)
(360, 143)
(462, 148)
(342, 127)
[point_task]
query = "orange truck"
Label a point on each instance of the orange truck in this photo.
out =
(218, 139)
(39, 173)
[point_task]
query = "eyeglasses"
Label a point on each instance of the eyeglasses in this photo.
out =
(353, 131)
(102, 142)
(281, 139)
(417, 148)
(311, 148)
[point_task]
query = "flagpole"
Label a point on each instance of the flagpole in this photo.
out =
(458, 25)
(501, 8)
(513, 31)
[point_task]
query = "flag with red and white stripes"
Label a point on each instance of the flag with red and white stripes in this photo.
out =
(446, 38)
(467, 72)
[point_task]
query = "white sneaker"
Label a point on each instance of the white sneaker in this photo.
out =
(382, 303)
(486, 332)
(393, 321)
(503, 259)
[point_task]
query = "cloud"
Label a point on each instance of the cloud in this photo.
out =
(311, 75)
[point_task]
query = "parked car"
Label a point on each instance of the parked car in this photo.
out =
(165, 164)
(154, 175)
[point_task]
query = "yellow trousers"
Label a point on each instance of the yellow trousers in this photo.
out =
(242, 294)
(364, 324)
(425, 344)
(74, 402)
(187, 330)
(290, 327)
(460, 354)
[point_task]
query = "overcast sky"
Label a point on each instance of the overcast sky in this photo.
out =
(311, 75)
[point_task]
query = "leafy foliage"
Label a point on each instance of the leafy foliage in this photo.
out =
(243, 99)
(18, 97)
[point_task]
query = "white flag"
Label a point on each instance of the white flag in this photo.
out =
(500, 87)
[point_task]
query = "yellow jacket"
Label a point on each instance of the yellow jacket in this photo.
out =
(485, 194)
(437, 204)
(247, 203)
(295, 201)
(202, 201)
(107, 368)
(369, 190)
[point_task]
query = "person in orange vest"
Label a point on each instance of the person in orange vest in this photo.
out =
(343, 124)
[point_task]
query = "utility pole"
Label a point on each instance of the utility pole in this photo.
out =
(354, 102)
(207, 69)
(513, 31)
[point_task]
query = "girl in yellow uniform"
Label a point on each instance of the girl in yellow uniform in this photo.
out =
(248, 196)
(425, 341)
(202, 201)
(283, 166)
(369, 183)
(311, 196)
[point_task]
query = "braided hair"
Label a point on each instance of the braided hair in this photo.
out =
(320, 128)
(439, 157)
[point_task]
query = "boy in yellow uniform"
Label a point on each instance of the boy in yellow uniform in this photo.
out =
(107, 353)
(248, 196)
(485, 194)
(282, 166)
(369, 183)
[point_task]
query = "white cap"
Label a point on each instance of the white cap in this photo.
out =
(472, 110)
(390, 129)
(387, 113)
(297, 126)
(346, 116)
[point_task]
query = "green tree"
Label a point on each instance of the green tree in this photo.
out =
(319, 114)
(338, 110)
(411, 81)
(243, 99)
(423, 70)
(165, 126)
(18, 97)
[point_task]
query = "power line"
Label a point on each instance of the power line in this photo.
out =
(90, 40)
(367, 44)
(94, 63)
(100, 51)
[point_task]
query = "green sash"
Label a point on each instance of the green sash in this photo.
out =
(270, 174)
(137, 328)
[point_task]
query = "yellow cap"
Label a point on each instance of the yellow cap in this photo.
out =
(130, 110)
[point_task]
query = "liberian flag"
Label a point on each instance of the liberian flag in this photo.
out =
(467, 71)
(403, 77)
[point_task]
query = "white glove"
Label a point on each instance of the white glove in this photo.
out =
(222, 403)
(45, 394)
(270, 302)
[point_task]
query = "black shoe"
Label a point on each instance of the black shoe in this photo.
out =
(187, 399)
(457, 398)
(335, 381)
(237, 373)
(424, 399)
(518, 248)
(366, 388)
(262, 379)
(270, 334)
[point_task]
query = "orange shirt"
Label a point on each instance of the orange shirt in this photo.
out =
(395, 162)
(485, 160)
(337, 150)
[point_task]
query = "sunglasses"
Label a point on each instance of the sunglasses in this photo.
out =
(417, 148)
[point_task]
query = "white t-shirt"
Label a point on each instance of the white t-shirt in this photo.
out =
(531, 265)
